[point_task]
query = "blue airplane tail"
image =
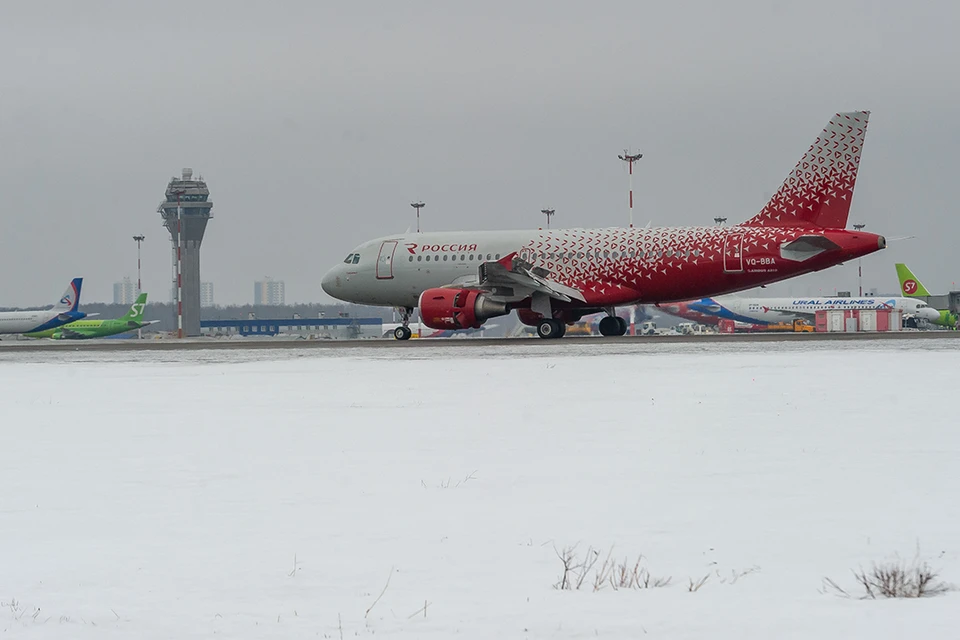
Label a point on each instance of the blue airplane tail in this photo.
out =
(71, 297)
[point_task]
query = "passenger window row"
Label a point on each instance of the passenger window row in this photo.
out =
(463, 258)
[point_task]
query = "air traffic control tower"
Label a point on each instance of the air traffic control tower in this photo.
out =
(192, 199)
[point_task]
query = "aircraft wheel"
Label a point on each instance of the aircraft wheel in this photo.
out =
(609, 326)
(622, 326)
(402, 333)
(549, 328)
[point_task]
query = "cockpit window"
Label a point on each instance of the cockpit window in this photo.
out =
(356, 258)
(349, 258)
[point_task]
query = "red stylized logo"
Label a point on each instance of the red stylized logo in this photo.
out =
(412, 248)
(909, 286)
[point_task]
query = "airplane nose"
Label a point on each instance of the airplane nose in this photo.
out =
(329, 282)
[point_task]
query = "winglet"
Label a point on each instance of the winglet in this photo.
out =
(909, 284)
(819, 190)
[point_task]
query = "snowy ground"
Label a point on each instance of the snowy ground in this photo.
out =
(254, 494)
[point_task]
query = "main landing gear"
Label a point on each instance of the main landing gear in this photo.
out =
(549, 328)
(403, 331)
(613, 325)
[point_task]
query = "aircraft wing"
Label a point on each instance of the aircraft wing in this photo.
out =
(511, 273)
(133, 324)
(70, 334)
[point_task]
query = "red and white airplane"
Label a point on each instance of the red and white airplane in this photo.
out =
(554, 277)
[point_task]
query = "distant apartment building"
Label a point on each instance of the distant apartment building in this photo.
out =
(268, 292)
(124, 292)
(206, 294)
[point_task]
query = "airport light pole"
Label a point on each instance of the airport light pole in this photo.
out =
(549, 213)
(179, 193)
(630, 159)
(859, 227)
(138, 240)
(418, 206)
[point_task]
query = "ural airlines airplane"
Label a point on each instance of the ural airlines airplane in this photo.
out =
(763, 311)
(554, 277)
(63, 312)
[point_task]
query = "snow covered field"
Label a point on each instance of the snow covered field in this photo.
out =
(260, 494)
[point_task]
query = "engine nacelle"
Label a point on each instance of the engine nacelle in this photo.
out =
(458, 308)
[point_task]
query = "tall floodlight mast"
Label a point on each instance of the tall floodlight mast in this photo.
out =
(549, 213)
(630, 159)
(138, 240)
(858, 227)
(418, 206)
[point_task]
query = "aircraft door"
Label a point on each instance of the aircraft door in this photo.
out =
(385, 260)
(733, 253)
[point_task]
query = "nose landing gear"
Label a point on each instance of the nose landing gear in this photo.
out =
(403, 331)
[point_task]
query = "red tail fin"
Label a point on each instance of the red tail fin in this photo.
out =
(819, 189)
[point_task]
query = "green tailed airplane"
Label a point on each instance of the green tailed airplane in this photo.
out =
(84, 329)
(911, 287)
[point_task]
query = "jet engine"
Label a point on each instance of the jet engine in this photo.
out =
(458, 308)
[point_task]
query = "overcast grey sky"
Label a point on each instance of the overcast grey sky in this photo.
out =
(317, 123)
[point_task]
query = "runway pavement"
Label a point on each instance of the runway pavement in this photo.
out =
(10, 345)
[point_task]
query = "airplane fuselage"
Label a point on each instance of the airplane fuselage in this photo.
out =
(610, 267)
(762, 311)
(13, 322)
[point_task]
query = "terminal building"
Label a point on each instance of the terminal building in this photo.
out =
(342, 328)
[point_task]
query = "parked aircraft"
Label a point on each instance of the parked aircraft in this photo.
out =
(554, 277)
(761, 311)
(910, 285)
(85, 329)
(63, 312)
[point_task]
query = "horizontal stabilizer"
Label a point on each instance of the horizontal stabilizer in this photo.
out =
(806, 247)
